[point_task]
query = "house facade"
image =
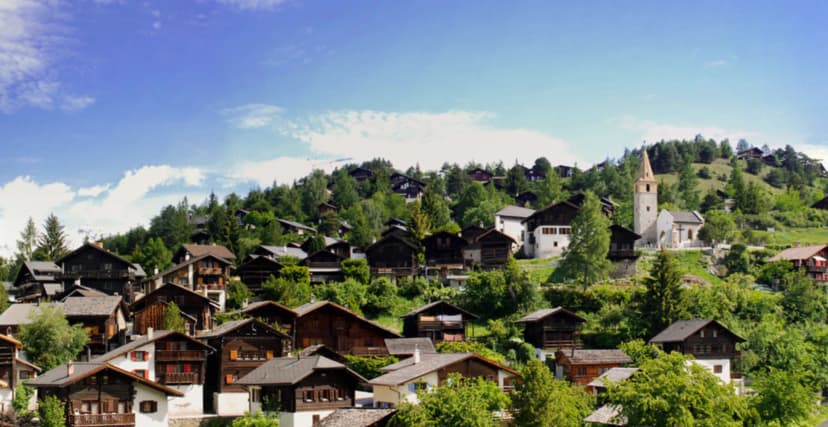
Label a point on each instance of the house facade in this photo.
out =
(551, 329)
(583, 366)
(13, 371)
(94, 267)
(340, 329)
(207, 274)
(439, 321)
(197, 310)
(811, 259)
(509, 220)
(679, 230)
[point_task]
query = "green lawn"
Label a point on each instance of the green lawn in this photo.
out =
(539, 269)
(690, 262)
(803, 236)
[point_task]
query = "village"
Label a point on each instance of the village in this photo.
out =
(174, 347)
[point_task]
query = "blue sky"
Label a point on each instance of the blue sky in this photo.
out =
(110, 109)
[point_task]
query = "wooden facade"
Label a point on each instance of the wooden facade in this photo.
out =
(99, 269)
(583, 366)
(393, 255)
(324, 266)
(552, 329)
(207, 272)
(622, 243)
(272, 313)
(444, 249)
(480, 175)
(339, 329)
(257, 270)
(495, 248)
(360, 174)
(439, 321)
(180, 360)
(197, 309)
(322, 390)
(704, 339)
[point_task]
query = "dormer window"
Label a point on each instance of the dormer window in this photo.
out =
(701, 333)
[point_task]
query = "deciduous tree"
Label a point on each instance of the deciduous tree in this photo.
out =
(585, 259)
(542, 401)
(49, 339)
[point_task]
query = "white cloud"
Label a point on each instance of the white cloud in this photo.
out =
(254, 4)
(716, 63)
(76, 103)
(253, 116)
(22, 198)
(652, 131)
(815, 151)
(93, 191)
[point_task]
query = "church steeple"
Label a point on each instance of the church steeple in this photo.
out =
(645, 202)
(645, 172)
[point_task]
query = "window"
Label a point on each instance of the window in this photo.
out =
(582, 372)
(325, 395)
(307, 395)
(143, 373)
(139, 355)
(717, 369)
(648, 208)
(690, 234)
(341, 394)
(24, 375)
(566, 230)
(715, 333)
(555, 244)
(148, 406)
(701, 333)
(255, 395)
(648, 189)
(107, 267)
(231, 378)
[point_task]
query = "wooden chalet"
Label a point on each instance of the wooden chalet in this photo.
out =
(560, 213)
(197, 309)
(301, 388)
(100, 394)
(622, 243)
(439, 321)
(278, 252)
(342, 330)
(334, 245)
(13, 370)
(598, 386)
(526, 198)
(407, 187)
(241, 346)
(552, 329)
(750, 153)
(444, 252)
(565, 171)
(394, 255)
(703, 338)
(257, 270)
(583, 366)
(360, 174)
(189, 251)
(272, 313)
(37, 280)
(480, 175)
(771, 160)
(293, 227)
(534, 173)
(204, 273)
(812, 259)
(325, 208)
(495, 248)
(470, 233)
(324, 266)
(101, 270)
(820, 204)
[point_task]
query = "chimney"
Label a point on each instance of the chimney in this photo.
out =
(70, 369)
(416, 354)
(150, 333)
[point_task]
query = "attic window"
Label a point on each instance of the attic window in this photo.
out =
(701, 333)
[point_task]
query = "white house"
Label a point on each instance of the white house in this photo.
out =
(677, 230)
(403, 379)
(169, 358)
(548, 230)
(509, 220)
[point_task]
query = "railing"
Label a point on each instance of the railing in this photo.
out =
(210, 286)
(324, 264)
(369, 351)
(97, 339)
(176, 355)
(79, 420)
(96, 274)
(437, 324)
(179, 378)
(210, 271)
(562, 344)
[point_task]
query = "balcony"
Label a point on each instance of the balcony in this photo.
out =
(110, 420)
(369, 351)
(179, 378)
(96, 274)
(210, 286)
(179, 355)
(210, 271)
(437, 325)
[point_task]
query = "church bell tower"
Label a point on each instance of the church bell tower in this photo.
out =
(645, 203)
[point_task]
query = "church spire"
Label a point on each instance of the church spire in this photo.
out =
(645, 172)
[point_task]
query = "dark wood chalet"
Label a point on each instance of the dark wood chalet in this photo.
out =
(811, 259)
(204, 273)
(342, 330)
(189, 251)
(583, 366)
(407, 187)
(291, 250)
(314, 385)
(622, 243)
(257, 270)
(565, 171)
(561, 213)
(197, 309)
(294, 227)
(360, 174)
(326, 207)
(440, 321)
(241, 346)
(750, 153)
(100, 394)
(471, 233)
(444, 251)
(13, 369)
(103, 317)
(495, 248)
(703, 338)
(33, 279)
(534, 173)
(393, 255)
(526, 198)
(100, 269)
(324, 266)
(272, 313)
(480, 175)
(552, 329)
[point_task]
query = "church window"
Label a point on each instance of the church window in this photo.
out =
(648, 208)
(648, 188)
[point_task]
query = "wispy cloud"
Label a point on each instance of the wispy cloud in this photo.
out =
(93, 191)
(652, 131)
(76, 103)
(253, 116)
(254, 4)
(716, 63)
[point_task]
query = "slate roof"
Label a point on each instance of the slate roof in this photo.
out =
(215, 250)
(280, 251)
(595, 357)
(405, 371)
(83, 291)
(91, 306)
(42, 267)
(295, 224)
(259, 304)
(614, 375)
(58, 378)
(189, 262)
(227, 327)
(144, 340)
(312, 306)
(515, 212)
(423, 308)
(406, 346)
(179, 287)
(545, 312)
(322, 350)
(687, 217)
(356, 417)
(682, 329)
(291, 370)
(798, 253)
(607, 415)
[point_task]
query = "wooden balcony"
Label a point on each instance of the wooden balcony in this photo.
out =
(109, 420)
(96, 274)
(210, 286)
(438, 325)
(210, 271)
(179, 355)
(179, 378)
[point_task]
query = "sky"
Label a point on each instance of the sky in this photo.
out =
(111, 109)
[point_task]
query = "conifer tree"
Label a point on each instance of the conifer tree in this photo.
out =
(585, 259)
(28, 241)
(688, 187)
(52, 242)
(663, 302)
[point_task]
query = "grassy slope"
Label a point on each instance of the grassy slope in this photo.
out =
(718, 168)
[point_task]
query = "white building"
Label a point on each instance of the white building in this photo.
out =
(509, 220)
(169, 358)
(678, 230)
(403, 379)
(548, 230)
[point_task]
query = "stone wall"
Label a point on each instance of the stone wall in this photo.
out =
(201, 421)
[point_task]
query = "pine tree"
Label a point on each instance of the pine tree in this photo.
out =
(52, 242)
(585, 259)
(435, 208)
(540, 400)
(688, 187)
(28, 241)
(550, 189)
(663, 302)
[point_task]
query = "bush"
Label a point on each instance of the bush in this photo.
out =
(51, 412)
(369, 367)
(704, 173)
(257, 420)
(356, 269)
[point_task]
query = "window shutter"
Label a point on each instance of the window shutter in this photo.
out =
(234, 354)
(146, 374)
(146, 356)
(170, 368)
(269, 355)
(132, 356)
(228, 379)
(187, 367)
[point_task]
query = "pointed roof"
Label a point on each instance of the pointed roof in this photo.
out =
(291, 370)
(645, 171)
(60, 376)
(682, 329)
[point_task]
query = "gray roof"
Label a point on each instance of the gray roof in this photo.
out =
(215, 250)
(259, 304)
(680, 330)
(356, 417)
(295, 224)
(291, 370)
(91, 306)
(57, 377)
(232, 325)
(423, 308)
(19, 314)
(42, 270)
(607, 415)
(515, 212)
(406, 370)
(52, 289)
(614, 375)
(543, 313)
(141, 341)
(406, 346)
(280, 251)
(798, 253)
(189, 262)
(589, 357)
(687, 217)
(311, 306)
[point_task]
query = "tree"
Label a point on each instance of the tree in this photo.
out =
(435, 207)
(22, 395)
(742, 145)
(257, 420)
(52, 412)
(585, 259)
(286, 290)
(639, 351)
(718, 227)
(725, 149)
(153, 255)
(28, 241)
(344, 189)
(668, 391)
(51, 244)
(688, 187)
(369, 366)
(516, 180)
(549, 189)
(663, 301)
(237, 294)
(356, 269)
(49, 339)
(782, 397)
(801, 300)
(172, 318)
(541, 400)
